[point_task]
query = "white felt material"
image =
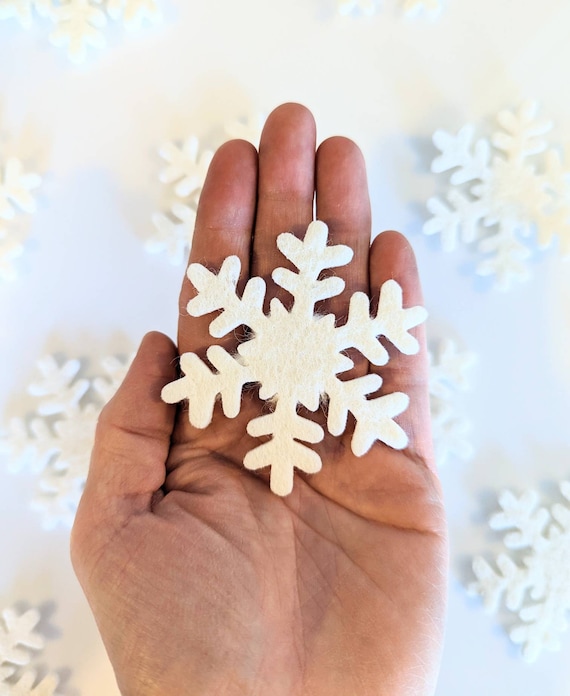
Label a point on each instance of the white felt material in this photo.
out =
(295, 355)
(449, 375)
(534, 580)
(502, 192)
(78, 26)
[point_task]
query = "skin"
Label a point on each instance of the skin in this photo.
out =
(201, 580)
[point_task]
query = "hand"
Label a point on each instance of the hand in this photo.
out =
(202, 581)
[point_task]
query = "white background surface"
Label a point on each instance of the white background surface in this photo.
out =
(87, 288)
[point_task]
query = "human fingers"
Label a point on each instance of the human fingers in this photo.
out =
(285, 189)
(343, 203)
(392, 257)
(224, 225)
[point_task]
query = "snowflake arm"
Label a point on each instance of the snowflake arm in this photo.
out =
(173, 237)
(202, 387)
(283, 453)
(185, 169)
(18, 637)
(15, 189)
(521, 132)
(247, 129)
(218, 291)
(25, 686)
(392, 321)
(58, 383)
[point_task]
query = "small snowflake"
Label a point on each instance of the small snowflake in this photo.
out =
(57, 441)
(295, 356)
(499, 200)
(536, 586)
(80, 24)
(185, 173)
(18, 640)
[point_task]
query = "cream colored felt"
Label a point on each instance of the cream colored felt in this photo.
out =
(295, 356)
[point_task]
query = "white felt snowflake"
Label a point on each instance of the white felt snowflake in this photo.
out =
(78, 25)
(535, 584)
(449, 369)
(16, 198)
(18, 641)
(295, 357)
(185, 173)
(500, 197)
(55, 442)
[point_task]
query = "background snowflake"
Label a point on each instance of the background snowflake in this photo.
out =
(449, 374)
(184, 174)
(16, 198)
(535, 584)
(501, 193)
(55, 441)
(19, 641)
(78, 25)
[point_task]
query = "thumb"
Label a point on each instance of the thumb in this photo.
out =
(132, 441)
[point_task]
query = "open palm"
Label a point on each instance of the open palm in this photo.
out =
(202, 581)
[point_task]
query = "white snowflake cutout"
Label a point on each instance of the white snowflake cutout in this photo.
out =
(295, 355)
(78, 26)
(498, 200)
(18, 636)
(133, 13)
(449, 371)
(535, 584)
(24, 686)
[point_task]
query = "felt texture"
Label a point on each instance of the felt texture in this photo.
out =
(295, 356)
(534, 581)
(503, 191)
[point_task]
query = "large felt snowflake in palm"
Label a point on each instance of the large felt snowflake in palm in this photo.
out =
(295, 356)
